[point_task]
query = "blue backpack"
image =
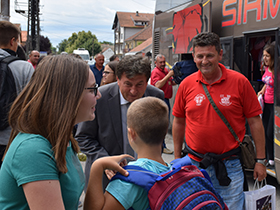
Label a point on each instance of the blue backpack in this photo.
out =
(182, 187)
(182, 69)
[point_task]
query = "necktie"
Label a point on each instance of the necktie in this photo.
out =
(126, 147)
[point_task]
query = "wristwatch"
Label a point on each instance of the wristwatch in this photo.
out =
(262, 161)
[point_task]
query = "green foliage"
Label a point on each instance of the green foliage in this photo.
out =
(53, 49)
(83, 39)
(105, 42)
(45, 44)
(62, 45)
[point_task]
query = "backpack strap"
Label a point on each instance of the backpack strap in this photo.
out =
(8, 59)
(139, 176)
(146, 179)
(178, 163)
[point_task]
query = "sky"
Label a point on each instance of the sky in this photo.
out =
(61, 18)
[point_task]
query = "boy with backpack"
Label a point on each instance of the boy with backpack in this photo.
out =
(14, 75)
(147, 124)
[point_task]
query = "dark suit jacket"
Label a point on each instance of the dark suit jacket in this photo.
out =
(103, 136)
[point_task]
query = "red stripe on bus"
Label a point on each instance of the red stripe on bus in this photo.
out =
(277, 121)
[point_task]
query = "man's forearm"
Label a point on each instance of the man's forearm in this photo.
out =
(257, 131)
(178, 131)
(159, 84)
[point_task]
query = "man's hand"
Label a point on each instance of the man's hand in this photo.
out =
(171, 73)
(259, 171)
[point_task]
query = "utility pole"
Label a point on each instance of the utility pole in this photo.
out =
(31, 10)
(5, 10)
(33, 30)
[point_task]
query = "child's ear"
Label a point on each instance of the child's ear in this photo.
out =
(132, 133)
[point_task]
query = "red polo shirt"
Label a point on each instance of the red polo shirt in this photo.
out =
(158, 74)
(205, 131)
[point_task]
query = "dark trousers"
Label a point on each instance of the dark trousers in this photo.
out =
(2, 150)
(268, 123)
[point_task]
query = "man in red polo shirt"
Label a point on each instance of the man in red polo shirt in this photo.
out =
(204, 130)
(161, 78)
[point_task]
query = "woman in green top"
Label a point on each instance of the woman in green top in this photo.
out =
(40, 169)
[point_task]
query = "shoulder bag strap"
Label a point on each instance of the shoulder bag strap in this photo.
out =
(220, 113)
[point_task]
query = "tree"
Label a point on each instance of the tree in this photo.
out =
(45, 44)
(62, 45)
(106, 42)
(83, 39)
(53, 50)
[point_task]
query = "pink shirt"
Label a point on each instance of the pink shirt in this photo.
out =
(34, 66)
(268, 79)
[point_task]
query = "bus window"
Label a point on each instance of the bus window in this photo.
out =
(227, 47)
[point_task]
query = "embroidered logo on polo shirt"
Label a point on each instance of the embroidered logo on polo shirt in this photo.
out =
(225, 100)
(199, 98)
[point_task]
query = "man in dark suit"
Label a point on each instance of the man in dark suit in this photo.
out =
(106, 135)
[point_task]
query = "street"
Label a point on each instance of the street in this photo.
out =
(249, 174)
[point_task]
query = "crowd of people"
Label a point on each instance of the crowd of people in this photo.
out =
(120, 119)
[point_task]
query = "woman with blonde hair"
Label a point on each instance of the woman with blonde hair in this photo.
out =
(40, 169)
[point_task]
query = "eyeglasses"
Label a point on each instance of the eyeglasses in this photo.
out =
(108, 72)
(93, 89)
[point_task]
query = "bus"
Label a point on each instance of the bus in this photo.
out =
(244, 28)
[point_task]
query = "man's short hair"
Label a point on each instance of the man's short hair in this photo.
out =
(8, 31)
(133, 65)
(159, 56)
(207, 39)
(113, 57)
(98, 55)
(148, 116)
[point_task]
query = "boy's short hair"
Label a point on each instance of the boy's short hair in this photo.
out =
(8, 31)
(207, 39)
(148, 116)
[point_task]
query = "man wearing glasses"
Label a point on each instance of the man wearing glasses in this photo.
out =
(106, 135)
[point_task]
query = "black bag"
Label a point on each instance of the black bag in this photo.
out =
(8, 90)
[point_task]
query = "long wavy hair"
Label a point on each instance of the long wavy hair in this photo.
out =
(270, 49)
(48, 105)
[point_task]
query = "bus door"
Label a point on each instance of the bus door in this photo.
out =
(277, 106)
(255, 43)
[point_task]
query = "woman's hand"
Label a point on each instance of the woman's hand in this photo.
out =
(110, 173)
(114, 164)
(262, 91)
